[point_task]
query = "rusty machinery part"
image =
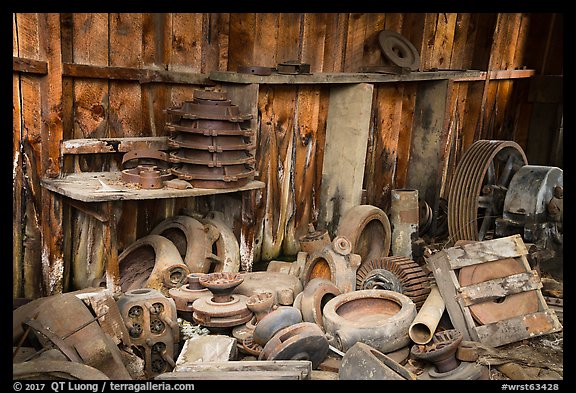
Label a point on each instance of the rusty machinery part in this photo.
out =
(56, 370)
(147, 157)
(185, 296)
(254, 70)
(212, 144)
(250, 347)
(377, 317)
(192, 240)
(404, 212)
(479, 185)
(241, 332)
(210, 159)
(143, 264)
(534, 207)
(301, 341)
(194, 110)
(260, 304)
(335, 263)
(284, 286)
(208, 127)
(426, 217)
(149, 177)
(395, 273)
(510, 306)
(274, 321)
(201, 176)
(398, 50)
(314, 240)
(464, 372)
(225, 248)
(315, 295)
(362, 362)
(151, 319)
(223, 309)
(368, 229)
(441, 351)
(293, 67)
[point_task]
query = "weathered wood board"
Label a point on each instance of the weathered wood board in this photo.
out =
(445, 264)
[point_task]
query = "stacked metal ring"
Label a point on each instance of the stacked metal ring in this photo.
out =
(210, 148)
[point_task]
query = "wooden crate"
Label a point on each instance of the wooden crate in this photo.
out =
(445, 266)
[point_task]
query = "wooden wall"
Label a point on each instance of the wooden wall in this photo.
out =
(53, 105)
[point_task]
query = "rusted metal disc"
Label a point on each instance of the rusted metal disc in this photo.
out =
(487, 163)
(407, 278)
(55, 370)
(398, 50)
(302, 341)
(211, 143)
(202, 176)
(199, 157)
(208, 94)
(511, 306)
(206, 126)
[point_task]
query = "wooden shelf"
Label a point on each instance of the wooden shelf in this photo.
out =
(86, 187)
(342, 77)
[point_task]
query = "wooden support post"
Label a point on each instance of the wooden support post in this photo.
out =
(111, 249)
(429, 138)
(347, 128)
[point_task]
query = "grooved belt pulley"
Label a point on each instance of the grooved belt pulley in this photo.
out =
(478, 188)
(210, 148)
(395, 273)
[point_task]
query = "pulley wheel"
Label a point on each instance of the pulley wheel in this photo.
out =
(398, 50)
(479, 185)
(510, 306)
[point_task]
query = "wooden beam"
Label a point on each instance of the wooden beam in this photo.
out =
(31, 66)
(112, 145)
(142, 75)
(347, 132)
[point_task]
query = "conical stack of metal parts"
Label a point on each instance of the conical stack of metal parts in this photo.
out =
(211, 149)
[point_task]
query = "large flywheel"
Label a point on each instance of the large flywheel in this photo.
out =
(478, 188)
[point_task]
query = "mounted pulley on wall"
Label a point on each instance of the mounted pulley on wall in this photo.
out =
(398, 50)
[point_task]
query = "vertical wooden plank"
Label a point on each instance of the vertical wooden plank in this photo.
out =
(91, 104)
(66, 46)
(313, 41)
(335, 42)
(186, 51)
(355, 37)
(242, 40)
(51, 90)
(265, 40)
(125, 116)
(17, 175)
(430, 26)
(405, 134)
(429, 133)
(443, 40)
(31, 139)
(381, 160)
(289, 45)
(375, 23)
(460, 48)
(347, 127)
(215, 26)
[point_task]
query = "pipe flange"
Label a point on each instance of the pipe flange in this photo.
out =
(342, 245)
(175, 275)
(398, 50)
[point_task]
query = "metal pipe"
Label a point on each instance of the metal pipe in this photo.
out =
(404, 218)
(424, 325)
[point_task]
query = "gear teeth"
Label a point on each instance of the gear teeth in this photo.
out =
(415, 283)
